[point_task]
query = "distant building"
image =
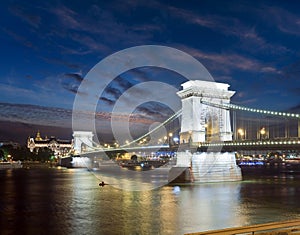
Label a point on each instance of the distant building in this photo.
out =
(58, 146)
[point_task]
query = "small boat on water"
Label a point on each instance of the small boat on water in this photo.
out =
(11, 165)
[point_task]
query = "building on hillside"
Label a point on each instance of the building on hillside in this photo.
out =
(58, 146)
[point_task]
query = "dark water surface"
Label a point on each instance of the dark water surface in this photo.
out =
(70, 201)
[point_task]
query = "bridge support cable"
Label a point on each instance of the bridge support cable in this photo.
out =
(170, 119)
(253, 110)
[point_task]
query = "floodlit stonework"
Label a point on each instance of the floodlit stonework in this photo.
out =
(83, 141)
(201, 122)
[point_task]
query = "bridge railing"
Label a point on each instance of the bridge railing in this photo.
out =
(274, 228)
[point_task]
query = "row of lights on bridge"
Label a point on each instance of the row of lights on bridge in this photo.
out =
(165, 139)
(233, 106)
(252, 143)
(262, 111)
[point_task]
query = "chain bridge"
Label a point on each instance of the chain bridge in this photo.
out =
(212, 130)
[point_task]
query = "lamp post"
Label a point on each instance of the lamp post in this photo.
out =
(262, 132)
(165, 139)
(241, 133)
(170, 138)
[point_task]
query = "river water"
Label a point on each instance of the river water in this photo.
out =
(70, 201)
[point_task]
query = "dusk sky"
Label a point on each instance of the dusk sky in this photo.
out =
(48, 47)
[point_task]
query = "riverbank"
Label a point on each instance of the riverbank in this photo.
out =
(37, 164)
(10, 165)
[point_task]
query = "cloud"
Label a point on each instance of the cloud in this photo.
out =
(284, 20)
(155, 110)
(107, 100)
(269, 69)
(70, 87)
(98, 31)
(71, 81)
(291, 71)
(62, 62)
(114, 92)
(21, 39)
(59, 117)
(24, 14)
(249, 39)
(76, 76)
(123, 82)
(10, 90)
(90, 43)
(33, 114)
(228, 61)
(68, 18)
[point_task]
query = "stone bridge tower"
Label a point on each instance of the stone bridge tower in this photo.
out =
(201, 122)
(83, 141)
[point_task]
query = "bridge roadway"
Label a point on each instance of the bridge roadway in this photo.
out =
(129, 149)
(226, 146)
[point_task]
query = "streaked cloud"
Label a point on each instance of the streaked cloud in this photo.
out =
(229, 26)
(227, 61)
(24, 14)
(59, 117)
(286, 21)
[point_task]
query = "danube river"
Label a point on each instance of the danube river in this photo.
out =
(70, 201)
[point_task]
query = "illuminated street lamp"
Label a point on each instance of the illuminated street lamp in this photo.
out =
(241, 133)
(176, 140)
(262, 132)
(170, 139)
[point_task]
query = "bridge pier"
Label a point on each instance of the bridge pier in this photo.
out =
(215, 167)
(205, 167)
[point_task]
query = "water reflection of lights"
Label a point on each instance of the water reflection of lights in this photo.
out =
(81, 162)
(211, 206)
(176, 190)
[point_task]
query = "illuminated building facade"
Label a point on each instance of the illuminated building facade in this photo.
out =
(58, 146)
